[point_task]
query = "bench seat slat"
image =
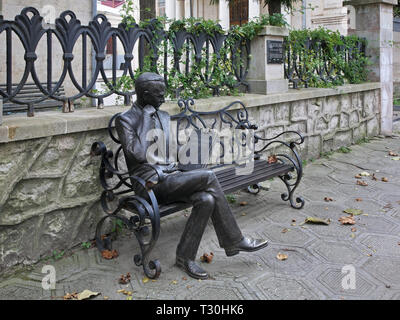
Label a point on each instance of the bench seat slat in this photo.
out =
(231, 182)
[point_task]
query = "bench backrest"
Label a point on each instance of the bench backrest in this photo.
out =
(217, 133)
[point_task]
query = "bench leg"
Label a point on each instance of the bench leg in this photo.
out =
(253, 189)
(299, 203)
(146, 239)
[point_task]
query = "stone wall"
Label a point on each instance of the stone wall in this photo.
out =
(49, 188)
(396, 64)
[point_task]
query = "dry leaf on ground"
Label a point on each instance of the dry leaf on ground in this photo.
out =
(364, 174)
(207, 257)
(124, 279)
(384, 179)
(317, 220)
(358, 199)
(393, 154)
(353, 229)
(243, 203)
(282, 256)
(107, 254)
(86, 294)
(396, 158)
(357, 176)
(327, 199)
(347, 220)
(285, 230)
(125, 292)
(272, 159)
(71, 296)
(373, 177)
(362, 183)
(353, 212)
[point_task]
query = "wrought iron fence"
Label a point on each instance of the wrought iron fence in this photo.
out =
(312, 61)
(147, 47)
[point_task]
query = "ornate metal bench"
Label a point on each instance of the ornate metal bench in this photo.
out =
(119, 194)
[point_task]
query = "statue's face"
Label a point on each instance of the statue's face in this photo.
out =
(154, 95)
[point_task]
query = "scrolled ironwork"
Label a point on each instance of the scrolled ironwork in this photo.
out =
(29, 29)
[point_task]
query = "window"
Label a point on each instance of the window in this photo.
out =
(112, 3)
(238, 12)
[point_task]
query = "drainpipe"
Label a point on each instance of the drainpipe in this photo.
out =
(94, 13)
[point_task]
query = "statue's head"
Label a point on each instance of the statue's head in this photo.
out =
(150, 89)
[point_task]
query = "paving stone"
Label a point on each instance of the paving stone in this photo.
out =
(316, 253)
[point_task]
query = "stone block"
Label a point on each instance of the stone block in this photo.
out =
(314, 148)
(298, 110)
(334, 123)
(354, 118)
(331, 106)
(281, 113)
(344, 120)
(373, 127)
(359, 132)
(342, 139)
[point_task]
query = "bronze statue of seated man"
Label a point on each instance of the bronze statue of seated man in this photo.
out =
(198, 187)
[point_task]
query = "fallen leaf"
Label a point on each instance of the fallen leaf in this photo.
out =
(125, 292)
(352, 235)
(294, 220)
(71, 296)
(316, 220)
(393, 154)
(364, 174)
(285, 230)
(243, 214)
(373, 177)
(282, 256)
(124, 279)
(174, 282)
(327, 199)
(243, 203)
(107, 254)
(184, 278)
(358, 199)
(384, 179)
(353, 212)
(362, 183)
(396, 158)
(347, 220)
(272, 159)
(357, 176)
(86, 294)
(145, 279)
(207, 257)
(353, 229)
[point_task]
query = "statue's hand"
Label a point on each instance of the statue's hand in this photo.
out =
(149, 110)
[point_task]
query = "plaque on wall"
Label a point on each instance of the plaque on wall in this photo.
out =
(274, 51)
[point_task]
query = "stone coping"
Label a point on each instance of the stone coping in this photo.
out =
(43, 124)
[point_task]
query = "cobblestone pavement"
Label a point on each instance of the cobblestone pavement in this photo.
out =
(316, 253)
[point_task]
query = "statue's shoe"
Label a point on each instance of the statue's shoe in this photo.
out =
(191, 268)
(248, 245)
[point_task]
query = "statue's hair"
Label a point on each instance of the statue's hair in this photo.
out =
(144, 78)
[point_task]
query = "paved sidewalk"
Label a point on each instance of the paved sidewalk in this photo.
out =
(315, 253)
